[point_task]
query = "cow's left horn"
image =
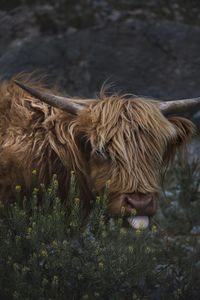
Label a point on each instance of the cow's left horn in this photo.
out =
(63, 103)
(180, 106)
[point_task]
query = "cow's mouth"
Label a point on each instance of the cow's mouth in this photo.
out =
(136, 208)
(139, 222)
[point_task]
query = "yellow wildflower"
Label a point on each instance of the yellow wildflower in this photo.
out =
(147, 249)
(18, 188)
(138, 232)
(49, 190)
(108, 183)
(122, 231)
(55, 183)
(54, 243)
(65, 243)
(29, 229)
(101, 223)
(44, 253)
(130, 249)
(77, 200)
(25, 269)
(101, 265)
(55, 280)
(35, 190)
(72, 224)
(154, 228)
(123, 210)
(133, 212)
(34, 172)
(98, 198)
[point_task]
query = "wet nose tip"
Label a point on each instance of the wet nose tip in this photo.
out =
(141, 202)
(146, 197)
(139, 199)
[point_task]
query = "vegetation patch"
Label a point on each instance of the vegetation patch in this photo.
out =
(53, 251)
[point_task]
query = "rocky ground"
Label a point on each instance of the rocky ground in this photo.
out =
(149, 49)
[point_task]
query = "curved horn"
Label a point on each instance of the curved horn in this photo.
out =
(180, 106)
(63, 103)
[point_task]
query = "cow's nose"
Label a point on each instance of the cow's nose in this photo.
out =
(144, 204)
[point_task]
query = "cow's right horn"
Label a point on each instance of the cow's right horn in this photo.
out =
(63, 103)
(180, 106)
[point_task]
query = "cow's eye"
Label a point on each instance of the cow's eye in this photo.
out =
(100, 154)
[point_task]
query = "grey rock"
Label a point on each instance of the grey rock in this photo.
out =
(195, 230)
(114, 16)
(157, 59)
(198, 265)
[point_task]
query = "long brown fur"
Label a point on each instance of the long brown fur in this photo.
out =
(125, 140)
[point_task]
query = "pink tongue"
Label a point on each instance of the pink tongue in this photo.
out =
(139, 222)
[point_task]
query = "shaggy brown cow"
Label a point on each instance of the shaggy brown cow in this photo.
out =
(126, 140)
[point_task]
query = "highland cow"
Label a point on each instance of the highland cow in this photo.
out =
(126, 140)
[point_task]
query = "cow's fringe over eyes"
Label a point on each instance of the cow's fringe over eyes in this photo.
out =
(127, 141)
(134, 135)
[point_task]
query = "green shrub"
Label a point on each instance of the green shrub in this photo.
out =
(51, 251)
(180, 205)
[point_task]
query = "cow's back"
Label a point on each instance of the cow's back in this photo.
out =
(24, 141)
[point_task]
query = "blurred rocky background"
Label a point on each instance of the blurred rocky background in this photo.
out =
(144, 47)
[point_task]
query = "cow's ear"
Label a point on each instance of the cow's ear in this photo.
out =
(185, 129)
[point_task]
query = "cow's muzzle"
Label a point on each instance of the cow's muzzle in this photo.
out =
(139, 207)
(144, 204)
